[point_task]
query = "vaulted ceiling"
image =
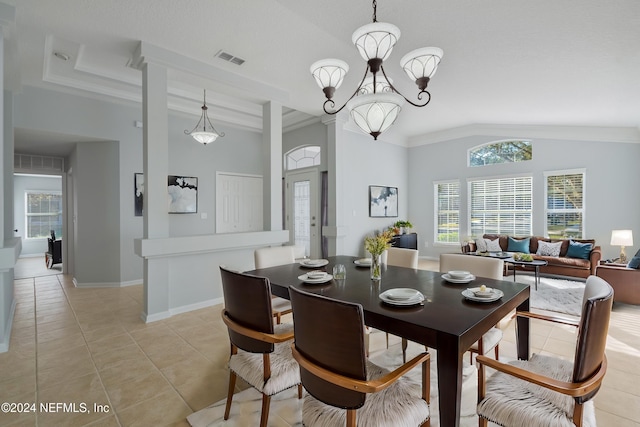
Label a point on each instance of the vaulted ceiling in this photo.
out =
(506, 62)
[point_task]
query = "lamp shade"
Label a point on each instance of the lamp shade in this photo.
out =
(204, 137)
(622, 238)
(329, 72)
(382, 85)
(376, 40)
(375, 112)
(421, 62)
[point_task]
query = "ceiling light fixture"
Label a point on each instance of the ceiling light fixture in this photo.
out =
(375, 104)
(200, 133)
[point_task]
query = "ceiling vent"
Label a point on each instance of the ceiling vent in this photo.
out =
(229, 58)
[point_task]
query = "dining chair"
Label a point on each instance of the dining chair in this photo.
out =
(547, 390)
(491, 268)
(260, 351)
(402, 257)
(340, 380)
(271, 257)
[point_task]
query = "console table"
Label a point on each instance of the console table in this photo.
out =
(407, 241)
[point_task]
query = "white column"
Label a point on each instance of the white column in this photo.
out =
(272, 180)
(155, 116)
(336, 164)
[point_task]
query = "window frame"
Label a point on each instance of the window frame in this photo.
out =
(470, 209)
(502, 141)
(315, 163)
(436, 211)
(582, 211)
(27, 214)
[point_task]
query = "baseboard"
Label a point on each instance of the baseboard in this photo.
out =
(196, 306)
(4, 344)
(106, 284)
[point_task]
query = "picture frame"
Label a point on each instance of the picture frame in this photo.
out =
(182, 194)
(138, 193)
(383, 201)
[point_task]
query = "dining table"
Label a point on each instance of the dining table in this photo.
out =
(445, 321)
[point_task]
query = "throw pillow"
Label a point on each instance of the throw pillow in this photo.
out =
(493, 245)
(548, 248)
(579, 250)
(481, 246)
(634, 263)
(521, 245)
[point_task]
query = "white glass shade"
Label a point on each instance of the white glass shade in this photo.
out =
(376, 40)
(329, 72)
(382, 85)
(374, 113)
(622, 238)
(204, 137)
(421, 62)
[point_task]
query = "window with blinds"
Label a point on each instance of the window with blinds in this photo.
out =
(564, 195)
(501, 206)
(43, 214)
(447, 205)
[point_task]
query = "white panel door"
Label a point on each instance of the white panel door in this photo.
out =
(302, 210)
(238, 203)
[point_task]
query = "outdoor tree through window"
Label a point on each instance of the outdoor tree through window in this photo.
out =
(500, 152)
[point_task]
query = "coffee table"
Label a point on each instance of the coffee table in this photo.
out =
(536, 264)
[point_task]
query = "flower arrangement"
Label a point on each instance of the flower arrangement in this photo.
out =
(379, 243)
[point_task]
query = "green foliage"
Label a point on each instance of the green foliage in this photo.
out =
(377, 244)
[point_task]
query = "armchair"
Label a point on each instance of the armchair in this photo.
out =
(624, 281)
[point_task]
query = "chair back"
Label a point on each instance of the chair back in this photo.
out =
(272, 256)
(593, 329)
(330, 333)
(402, 257)
(247, 301)
(479, 266)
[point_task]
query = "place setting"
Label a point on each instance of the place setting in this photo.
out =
(363, 262)
(402, 297)
(458, 276)
(316, 277)
(313, 263)
(482, 294)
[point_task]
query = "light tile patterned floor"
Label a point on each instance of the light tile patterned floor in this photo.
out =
(89, 346)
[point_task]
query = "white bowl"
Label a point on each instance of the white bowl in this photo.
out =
(316, 274)
(483, 294)
(458, 274)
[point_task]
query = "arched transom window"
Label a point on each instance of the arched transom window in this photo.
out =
(303, 157)
(500, 152)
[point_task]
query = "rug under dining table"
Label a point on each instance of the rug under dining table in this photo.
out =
(554, 294)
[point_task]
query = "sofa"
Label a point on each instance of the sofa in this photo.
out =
(561, 265)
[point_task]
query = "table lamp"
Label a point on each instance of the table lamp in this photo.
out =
(622, 238)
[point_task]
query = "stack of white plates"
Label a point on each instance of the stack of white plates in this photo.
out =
(363, 262)
(490, 295)
(458, 278)
(314, 263)
(402, 297)
(315, 277)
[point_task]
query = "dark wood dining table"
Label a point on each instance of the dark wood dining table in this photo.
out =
(447, 321)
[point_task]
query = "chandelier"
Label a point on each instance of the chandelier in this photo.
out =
(201, 133)
(375, 104)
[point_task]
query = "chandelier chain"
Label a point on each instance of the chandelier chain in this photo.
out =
(375, 6)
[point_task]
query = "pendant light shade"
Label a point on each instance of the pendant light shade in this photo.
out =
(376, 40)
(204, 132)
(421, 64)
(329, 74)
(375, 112)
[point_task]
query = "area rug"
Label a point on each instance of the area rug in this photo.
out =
(559, 295)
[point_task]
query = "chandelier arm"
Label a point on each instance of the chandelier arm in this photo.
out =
(324, 106)
(393, 88)
(220, 134)
(189, 132)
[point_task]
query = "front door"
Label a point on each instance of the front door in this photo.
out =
(302, 210)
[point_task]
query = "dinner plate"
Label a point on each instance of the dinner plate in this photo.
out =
(307, 279)
(452, 280)
(469, 294)
(363, 262)
(314, 263)
(400, 297)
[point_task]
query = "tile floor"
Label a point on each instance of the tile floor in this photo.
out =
(89, 347)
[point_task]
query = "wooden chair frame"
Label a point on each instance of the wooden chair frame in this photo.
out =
(266, 363)
(370, 386)
(572, 389)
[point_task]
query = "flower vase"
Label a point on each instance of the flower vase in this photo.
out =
(376, 267)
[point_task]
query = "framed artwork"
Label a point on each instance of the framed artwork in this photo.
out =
(183, 194)
(383, 201)
(138, 188)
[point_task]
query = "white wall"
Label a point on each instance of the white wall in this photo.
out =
(21, 184)
(611, 174)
